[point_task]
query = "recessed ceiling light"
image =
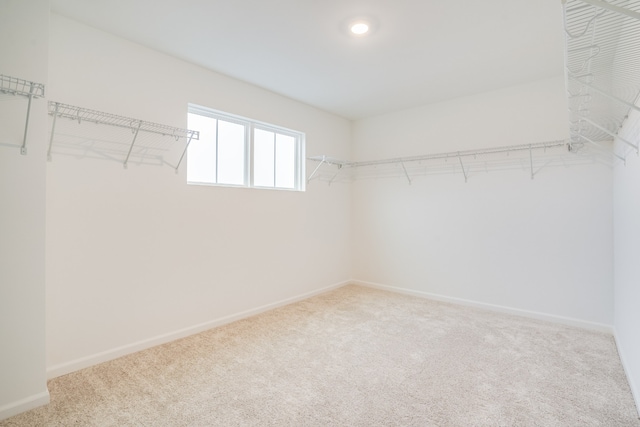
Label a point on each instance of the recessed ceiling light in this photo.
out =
(359, 28)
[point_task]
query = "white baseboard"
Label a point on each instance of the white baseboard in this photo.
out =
(600, 327)
(105, 356)
(627, 370)
(22, 405)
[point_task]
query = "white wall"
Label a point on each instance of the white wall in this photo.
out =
(136, 256)
(542, 246)
(626, 208)
(23, 54)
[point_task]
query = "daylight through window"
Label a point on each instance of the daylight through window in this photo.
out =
(236, 151)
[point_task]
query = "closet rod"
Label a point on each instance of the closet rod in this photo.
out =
(57, 110)
(439, 156)
(16, 86)
(87, 115)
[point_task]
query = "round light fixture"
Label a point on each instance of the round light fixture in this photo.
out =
(359, 28)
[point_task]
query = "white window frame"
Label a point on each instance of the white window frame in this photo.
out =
(250, 126)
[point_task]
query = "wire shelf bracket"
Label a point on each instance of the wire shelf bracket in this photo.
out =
(135, 135)
(30, 90)
(602, 68)
(315, 171)
(59, 110)
(464, 171)
(404, 168)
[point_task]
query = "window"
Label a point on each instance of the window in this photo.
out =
(237, 151)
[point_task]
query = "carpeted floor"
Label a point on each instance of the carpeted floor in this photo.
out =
(356, 357)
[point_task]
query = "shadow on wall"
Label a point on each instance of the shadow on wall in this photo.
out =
(16, 99)
(83, 133)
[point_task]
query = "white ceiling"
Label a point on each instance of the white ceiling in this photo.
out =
(422, 51)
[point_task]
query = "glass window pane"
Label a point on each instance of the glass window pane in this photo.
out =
(229, 145)
(263, 157)
(231, 156)
(201, 154)
(285, 161)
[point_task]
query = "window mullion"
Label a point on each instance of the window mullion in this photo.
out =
(296, 166)
(251, 155)
(217, 157)
(275, 139)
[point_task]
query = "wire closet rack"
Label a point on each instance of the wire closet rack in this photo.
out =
(15, 86)
(526, 157)
(84, 115)
(602, 68)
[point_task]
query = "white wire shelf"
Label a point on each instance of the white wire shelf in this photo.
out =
(135, 126)
(528, 157)
(15, 86)
(602, 67)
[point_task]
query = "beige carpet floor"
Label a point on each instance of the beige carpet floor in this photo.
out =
(356, 357)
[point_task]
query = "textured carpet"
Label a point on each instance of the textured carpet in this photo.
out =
(356, 357)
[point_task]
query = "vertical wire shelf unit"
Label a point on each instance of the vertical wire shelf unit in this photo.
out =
(59, 110)
(602, 69)
(30, 90)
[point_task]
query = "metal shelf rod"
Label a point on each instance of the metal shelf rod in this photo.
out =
(99, 117)
(57, 109)
(440, 156)
(322, 160)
